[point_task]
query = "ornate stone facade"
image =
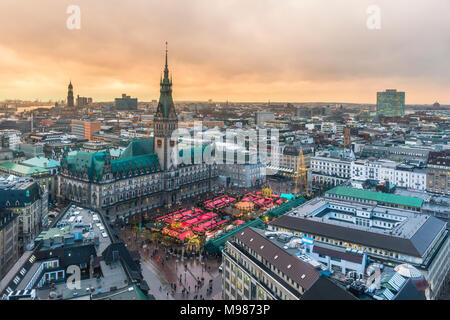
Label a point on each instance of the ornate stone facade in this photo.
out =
(143, 178)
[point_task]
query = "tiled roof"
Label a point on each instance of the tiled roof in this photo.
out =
(299, 271)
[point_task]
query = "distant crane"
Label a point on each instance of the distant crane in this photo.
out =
(301, 181)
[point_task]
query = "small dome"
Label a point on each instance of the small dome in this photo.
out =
(408, 271)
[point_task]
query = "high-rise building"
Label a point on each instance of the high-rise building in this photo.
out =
(70, 96)
(390, 103)
(126, 103)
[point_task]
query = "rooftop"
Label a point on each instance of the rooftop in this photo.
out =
(377, 196)
(20, 169)
(41, 162)
(412, 234)
(299, 271)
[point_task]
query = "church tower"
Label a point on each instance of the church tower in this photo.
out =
(165, 123)
(70, 96)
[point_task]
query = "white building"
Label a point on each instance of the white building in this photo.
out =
(401, 175)
(330, 170)
(14, 137)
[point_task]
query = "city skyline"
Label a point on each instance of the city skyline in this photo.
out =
(237, 51)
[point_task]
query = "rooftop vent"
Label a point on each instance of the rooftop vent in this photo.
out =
(303, 276)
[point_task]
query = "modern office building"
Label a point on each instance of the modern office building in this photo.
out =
(389, 229)
(390, 103)
(85, 128)
(126, 103)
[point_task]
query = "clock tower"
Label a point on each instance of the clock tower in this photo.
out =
(165, 123)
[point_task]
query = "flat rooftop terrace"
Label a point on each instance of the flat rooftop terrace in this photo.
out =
(318, 209)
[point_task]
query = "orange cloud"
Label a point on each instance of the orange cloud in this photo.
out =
(240, 50)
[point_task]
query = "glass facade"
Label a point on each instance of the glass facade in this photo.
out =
(390, 103)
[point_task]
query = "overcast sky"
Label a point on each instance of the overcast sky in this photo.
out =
(240, 50)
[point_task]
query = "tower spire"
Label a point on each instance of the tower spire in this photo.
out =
(166, 68)
(167, 51)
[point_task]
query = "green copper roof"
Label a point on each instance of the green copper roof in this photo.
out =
(136, 157)
(20, 169)
(79, 161)
(147, 162)
(166, 106)
(41, 162)
(138, 148)
(377, 196)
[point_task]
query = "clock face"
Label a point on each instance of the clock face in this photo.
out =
(172, 143)
(159, 141)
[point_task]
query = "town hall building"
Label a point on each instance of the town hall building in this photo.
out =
(146, 176)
